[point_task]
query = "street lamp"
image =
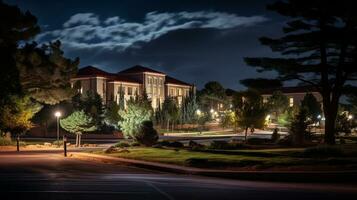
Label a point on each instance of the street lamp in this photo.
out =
(350, 117)
(58, 115)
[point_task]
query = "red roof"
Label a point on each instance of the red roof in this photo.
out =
(171, 80)
(138, 69)
(91, 71)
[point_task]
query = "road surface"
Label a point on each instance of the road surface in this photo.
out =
(47, 175)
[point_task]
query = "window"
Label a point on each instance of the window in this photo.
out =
(291, 102)
(155, 81)
(135, 91)
(179, 92)
(172, 92)
(149, 80)
(130, 91)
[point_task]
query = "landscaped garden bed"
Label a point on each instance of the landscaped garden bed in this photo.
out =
(339, 157)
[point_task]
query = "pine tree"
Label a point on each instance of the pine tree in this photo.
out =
(121, 102)
(78, 123)
(318, 49)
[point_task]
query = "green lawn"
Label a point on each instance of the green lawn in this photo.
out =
(258, 159)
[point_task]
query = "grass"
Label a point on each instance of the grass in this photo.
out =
(258, 159)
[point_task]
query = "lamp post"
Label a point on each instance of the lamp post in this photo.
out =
(58, 115)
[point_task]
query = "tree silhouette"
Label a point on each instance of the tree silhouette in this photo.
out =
(319, 48)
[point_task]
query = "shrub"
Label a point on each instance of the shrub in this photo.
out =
(218, 144)
(122, 144)
(165, 143)
(176, 144)
(258, 141)
(55, 143)
(323, 151)
(5, 141)
(147, 134)
(195, 146)
(275, 136)
(134, 144)
(110, 149)
(196, 162)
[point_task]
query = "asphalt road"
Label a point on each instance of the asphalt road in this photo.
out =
(47, 175)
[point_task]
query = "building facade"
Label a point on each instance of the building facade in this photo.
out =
(294, 94)
(132, 82)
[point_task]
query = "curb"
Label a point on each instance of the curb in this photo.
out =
(275, 176)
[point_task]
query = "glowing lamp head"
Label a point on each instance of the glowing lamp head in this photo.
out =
(198, 112)
(350, 117)
(58, 114)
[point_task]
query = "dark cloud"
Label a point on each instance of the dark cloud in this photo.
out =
(194, 40)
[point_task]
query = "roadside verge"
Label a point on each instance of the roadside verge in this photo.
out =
(278, 176)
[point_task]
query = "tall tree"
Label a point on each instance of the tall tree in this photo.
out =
(249, 111)
(45, 73)
(170, 112)
(277, 104)
(16, 116)
(211, 95)
(312, 107)
(78, 123)
(319, 48)
(15, 27)
(136, 112)
(121, 99)
(188, 108)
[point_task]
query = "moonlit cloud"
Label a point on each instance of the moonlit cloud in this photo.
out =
(88, 31)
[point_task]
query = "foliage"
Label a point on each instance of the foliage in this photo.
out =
(78, 123)
(137, 111)
(45, 73)
(4, 141)
(211, 95)
(286, 117)
(318, 49)
(250, 111)
(323, 151)
(312, 106)
(111, 115)
(275, 136)
(16, 117)
(16, 26)
(298, 127)
(121, 102)
(169, 112)
(277, 104)
(91, 103)
(146, 135)
(122, 144)
(343, 124)
(228, 119)
(188, 108)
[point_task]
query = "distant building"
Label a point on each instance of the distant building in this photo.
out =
(294, 94)
(132, 81)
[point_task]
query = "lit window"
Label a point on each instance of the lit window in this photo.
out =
(291, 102)
(172, 92)
(130, 91)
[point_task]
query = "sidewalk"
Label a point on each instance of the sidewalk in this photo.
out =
(285, 176)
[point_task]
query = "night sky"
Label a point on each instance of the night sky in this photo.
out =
(195, 41)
